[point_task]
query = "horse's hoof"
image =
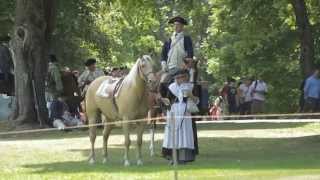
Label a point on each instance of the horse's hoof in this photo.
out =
(126, 163)
(105, 160)
(139, 162)
(92, 161)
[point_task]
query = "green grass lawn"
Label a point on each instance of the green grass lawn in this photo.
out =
(227, 151)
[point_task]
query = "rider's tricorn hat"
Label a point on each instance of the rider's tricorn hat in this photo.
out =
(90, 62)
(178, 19)
(181, 72)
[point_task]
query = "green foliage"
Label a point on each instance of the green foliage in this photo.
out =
(257, 38)
(6, 17)
(231, 38)
(117, 32)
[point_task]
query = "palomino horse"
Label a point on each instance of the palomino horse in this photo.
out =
(130, 103)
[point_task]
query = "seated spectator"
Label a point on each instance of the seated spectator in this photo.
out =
(60, 115)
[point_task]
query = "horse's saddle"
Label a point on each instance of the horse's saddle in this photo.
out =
(110, 88)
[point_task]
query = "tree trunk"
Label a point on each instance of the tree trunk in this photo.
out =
(33, 27)
(306, 38)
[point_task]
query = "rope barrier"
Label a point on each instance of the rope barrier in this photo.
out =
(294, 120)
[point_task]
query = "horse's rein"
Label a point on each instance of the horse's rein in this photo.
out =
(144, 76)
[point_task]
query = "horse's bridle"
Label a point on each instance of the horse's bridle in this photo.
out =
(144, 75)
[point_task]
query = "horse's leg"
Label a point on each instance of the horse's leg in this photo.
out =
(140, 129)
(152, 128)
(92, 133)
(125, 127)
(106, 132)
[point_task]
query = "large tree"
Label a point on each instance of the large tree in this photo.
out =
(34, 21)
(306, 38)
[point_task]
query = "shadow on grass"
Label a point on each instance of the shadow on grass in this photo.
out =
(84, 132)
(215, 153)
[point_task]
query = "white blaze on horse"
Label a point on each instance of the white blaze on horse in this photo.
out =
(127, 101)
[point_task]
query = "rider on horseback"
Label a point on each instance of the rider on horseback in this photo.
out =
(177, 52)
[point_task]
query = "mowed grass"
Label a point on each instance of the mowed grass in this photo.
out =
(227, 151)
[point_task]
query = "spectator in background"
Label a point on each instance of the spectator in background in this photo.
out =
(90, 74)
(231, 97)
(245, 97)
(115, 72)
(301, 99)
(76, 74)
(258, 91)
(124, 71)
(6, 68)
(107, 71)
(71, 92)
(54, 87)
(216, 109)
(312, 93)
(223, 92)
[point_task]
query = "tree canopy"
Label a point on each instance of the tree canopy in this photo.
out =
(231, 38)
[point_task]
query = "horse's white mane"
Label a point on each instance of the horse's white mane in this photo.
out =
(134, 70)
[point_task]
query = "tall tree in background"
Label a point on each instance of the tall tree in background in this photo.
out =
(306, 38)
(34, 21)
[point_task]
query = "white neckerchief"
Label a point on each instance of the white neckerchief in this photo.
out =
(177, 89)
(177, 52)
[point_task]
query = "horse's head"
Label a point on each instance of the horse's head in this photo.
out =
(147, 72)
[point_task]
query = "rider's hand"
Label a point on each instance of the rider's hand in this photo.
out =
(163, 66)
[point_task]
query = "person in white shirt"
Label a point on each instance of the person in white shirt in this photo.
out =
(258, 91)
(245, 98)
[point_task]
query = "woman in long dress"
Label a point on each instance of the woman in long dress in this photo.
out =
(180, 92)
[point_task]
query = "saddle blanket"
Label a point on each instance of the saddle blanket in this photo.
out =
(109, 88)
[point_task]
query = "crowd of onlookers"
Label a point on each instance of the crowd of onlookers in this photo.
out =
(244, 97)
(248, 96)
(66, 88)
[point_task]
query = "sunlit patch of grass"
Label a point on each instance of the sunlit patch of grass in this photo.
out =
(223, 155)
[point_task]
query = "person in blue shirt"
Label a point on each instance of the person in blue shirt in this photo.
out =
(312, 93)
